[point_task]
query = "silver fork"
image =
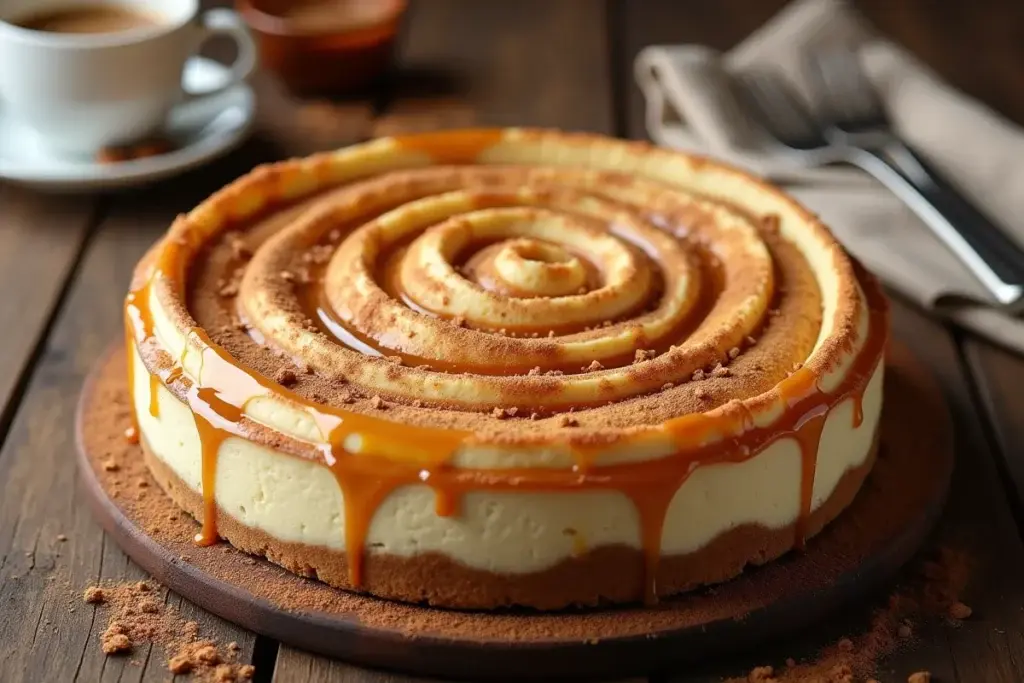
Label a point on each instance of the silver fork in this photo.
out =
(854, 115)
(853, 138)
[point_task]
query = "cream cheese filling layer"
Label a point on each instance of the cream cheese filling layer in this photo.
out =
(299, 501)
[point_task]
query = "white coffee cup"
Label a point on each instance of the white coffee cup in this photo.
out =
(84, 91)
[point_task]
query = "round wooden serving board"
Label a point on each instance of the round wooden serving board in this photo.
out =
(859, 552)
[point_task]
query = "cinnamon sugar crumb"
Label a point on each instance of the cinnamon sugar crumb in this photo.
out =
(904, 631)
(594, 366)
(94, 595)
(114, 641)
(285, 377)
(734, 352)
(666, 386)
(499, 413)
(721, 371)
(534, 371)
(697, 375)
(845, 644)
(751, 341)
(111, 466)
(551, 334)
(377, 403)
(397, 360)
(568, 421)
(643, 354)
(180, 664)
(239, 248)
(287, 276)
(149, 606)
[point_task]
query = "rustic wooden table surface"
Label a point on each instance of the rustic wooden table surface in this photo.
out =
(65, 262)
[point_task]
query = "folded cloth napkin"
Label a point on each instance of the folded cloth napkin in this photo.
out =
(691, 106)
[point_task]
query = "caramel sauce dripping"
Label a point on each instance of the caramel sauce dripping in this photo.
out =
(154, 403)
(369, 473)
(858, 410)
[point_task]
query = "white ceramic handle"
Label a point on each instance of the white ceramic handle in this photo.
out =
(226, 22)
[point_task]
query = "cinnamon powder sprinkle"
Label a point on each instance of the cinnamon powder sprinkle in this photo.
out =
(137, 615)
(929, 594)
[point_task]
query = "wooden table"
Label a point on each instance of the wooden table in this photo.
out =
(65, 262)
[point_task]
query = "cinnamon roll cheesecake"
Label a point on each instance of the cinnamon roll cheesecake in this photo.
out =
(488, 368)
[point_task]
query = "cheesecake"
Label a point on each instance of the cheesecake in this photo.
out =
(490, 368)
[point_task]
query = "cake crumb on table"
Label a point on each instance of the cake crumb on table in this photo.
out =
(137, 614)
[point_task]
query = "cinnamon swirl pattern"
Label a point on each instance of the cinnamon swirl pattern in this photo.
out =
(496, 367)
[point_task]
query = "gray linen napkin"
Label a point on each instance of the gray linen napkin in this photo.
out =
(690, 106)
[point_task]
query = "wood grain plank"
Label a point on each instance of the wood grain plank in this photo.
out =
(464, 62)
(48, 633)
(999, 376)
(296, 666)
(40, 240)
(512, 62)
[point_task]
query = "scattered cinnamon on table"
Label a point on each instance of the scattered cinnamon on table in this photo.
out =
(137, 614)
(932, 593)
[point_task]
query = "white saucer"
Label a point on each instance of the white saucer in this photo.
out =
(200, 130)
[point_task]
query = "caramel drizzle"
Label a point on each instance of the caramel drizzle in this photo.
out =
(219, 395)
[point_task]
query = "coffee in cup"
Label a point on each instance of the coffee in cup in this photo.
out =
(84, 75)
(98, 18)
